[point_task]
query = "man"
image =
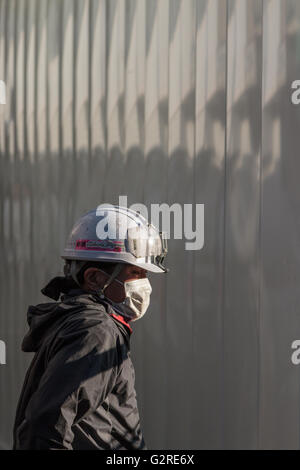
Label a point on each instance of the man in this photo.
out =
(79, 390)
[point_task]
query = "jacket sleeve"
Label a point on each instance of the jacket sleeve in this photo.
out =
(79, 375)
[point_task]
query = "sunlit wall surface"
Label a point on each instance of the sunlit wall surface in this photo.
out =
(175, 101)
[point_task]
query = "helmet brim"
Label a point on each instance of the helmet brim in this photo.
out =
(147, 266)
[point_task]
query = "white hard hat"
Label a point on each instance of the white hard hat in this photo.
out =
(117, 235)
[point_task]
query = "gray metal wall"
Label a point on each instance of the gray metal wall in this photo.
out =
(177, 101)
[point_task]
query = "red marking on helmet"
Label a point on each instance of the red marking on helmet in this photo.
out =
(99, 245)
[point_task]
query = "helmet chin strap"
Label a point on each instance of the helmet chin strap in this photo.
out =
(75, 268)
(114, 274)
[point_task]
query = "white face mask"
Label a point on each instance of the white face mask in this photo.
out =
(137, 298)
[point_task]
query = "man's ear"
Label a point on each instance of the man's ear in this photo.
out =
(93, 279)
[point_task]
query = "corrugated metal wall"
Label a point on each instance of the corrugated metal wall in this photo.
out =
(177, 101)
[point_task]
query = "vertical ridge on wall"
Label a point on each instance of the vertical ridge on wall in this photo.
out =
(242, 224)
(180, 191)
(153, 326)
(67, 185)
(115, 101)
(259, 321)
(210, 138)
(10, 147)
(98, 98)
(3, 197)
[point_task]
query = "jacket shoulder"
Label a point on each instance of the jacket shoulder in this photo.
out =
(84, 331)
(87, 316)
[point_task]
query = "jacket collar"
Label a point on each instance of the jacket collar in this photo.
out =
(65, 289)
(88, 297)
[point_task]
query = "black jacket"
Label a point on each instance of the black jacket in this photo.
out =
(79, 390)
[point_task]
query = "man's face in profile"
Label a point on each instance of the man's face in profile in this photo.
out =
(94, 279)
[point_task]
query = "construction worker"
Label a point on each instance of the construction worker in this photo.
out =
(79, 390)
